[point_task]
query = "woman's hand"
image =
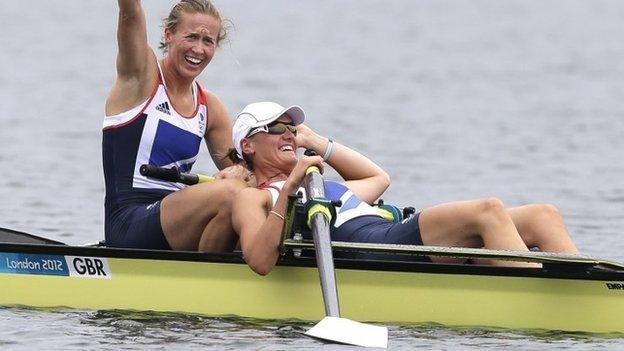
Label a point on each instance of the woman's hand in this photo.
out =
(305, 136)
(296, 176)
(309, 139)
(237, 172)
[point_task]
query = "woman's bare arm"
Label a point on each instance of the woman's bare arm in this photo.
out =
(362, 176)
(136, 62)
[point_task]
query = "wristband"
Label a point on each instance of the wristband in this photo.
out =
(277, 214)
(328, 149)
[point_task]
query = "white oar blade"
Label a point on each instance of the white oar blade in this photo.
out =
(349, 332)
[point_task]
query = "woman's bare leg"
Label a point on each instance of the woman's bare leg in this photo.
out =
(199, 217)
(476, 223)
(542, 226)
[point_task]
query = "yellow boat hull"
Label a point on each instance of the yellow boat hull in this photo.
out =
(386, 293)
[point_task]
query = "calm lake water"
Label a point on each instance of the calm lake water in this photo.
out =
(455, 99)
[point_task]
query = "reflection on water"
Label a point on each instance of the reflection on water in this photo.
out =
(117, 329)
(114, 330)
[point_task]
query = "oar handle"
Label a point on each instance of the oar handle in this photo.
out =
(313, 169)
(173, 174)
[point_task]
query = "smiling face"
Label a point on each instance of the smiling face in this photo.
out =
(192, 44)
(272, 151)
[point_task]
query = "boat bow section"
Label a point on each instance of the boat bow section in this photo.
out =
(16, 237)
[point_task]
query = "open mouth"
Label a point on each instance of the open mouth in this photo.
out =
(193, 60)
(287, 148)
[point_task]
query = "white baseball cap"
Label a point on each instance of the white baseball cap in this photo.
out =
(261, 114)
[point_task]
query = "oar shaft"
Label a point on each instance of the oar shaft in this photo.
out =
(320, 212)
(325, 261)
(313, 183)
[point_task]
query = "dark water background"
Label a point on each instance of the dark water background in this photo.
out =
(455, 99)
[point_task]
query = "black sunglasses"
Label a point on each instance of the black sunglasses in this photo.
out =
(275, 128)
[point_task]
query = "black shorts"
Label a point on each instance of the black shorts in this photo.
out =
(373, 229)
(136, 226)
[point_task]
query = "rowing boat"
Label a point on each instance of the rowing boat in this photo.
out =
(567, 293)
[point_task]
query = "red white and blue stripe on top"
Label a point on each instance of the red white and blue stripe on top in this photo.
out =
(152, 133)
(352, 206)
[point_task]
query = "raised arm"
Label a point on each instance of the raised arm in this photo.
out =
(136, 62)
(362, 176)
(132, 43)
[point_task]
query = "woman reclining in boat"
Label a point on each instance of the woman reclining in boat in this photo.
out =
(266, 136)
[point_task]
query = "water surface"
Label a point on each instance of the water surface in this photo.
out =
(455, 99)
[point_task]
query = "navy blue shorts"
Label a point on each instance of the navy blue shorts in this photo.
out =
(136, 226)
(373, 229)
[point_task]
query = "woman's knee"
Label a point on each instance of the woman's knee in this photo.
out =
(547, 213)
(491, 204)
(491, 208)
(226, 191)
(213, 197)
(232, 186)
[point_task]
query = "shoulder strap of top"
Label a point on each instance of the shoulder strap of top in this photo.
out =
(199, 95)
(273, 188)
(161, 77)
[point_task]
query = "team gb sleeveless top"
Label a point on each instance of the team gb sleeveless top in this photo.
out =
(352, 206)
(151, 133)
